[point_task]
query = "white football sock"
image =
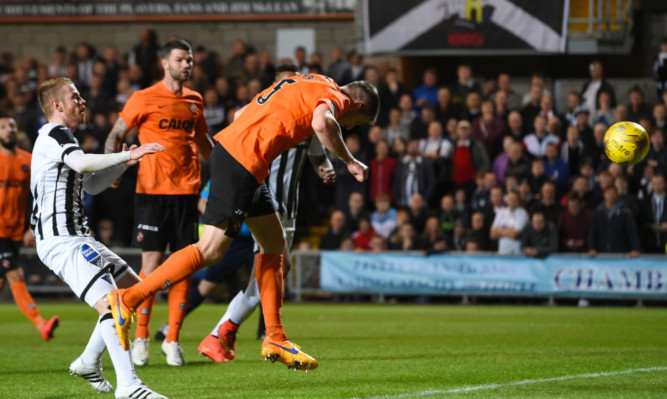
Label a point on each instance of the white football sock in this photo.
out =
(93, 353)
(241, 307)
(121, 359)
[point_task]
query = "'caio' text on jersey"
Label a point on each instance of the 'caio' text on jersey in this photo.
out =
(177, 124)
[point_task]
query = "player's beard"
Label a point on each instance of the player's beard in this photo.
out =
(9, 144)
(176, 75)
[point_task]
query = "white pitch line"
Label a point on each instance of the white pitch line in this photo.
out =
(515, 383)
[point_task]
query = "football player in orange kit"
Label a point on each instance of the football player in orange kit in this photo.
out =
(167, 184)
(277, 119)
(14, 188)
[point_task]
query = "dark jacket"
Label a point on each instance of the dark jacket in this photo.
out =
(654, 242)
(545, 241)
(603, 86)
(613, 231)
(424, 176)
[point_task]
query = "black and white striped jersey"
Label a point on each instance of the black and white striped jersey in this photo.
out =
(58, 208)
(285, 173)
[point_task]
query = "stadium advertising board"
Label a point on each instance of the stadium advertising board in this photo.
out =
(157, 10)
(459, 26)
(560, 276)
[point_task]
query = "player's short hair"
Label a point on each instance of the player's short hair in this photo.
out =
(287, 68)
(48, 91)
(178, 44)
(365, 93)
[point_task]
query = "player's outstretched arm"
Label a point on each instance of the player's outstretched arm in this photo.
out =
(96, 182)
(89, 163)
(328, 131)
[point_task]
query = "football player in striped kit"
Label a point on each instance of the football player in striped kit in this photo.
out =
(61, 172)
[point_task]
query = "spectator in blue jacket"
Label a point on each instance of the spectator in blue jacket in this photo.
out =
(556, 169)
(427, 93)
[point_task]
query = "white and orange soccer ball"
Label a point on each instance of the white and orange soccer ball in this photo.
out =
(626, 143)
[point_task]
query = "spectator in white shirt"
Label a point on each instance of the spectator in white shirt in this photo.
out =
(508, 225)
(435, 146)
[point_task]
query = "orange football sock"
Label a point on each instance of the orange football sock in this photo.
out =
(179, 266)
(144, 314)
(178, 306)
(270, 283)
(25, 302)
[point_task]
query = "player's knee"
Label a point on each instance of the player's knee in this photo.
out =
(205, 287)
(14, 276)
(274, 246)
(102, 307)
(210, 253)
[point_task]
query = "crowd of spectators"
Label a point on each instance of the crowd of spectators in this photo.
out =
(466, 165)
(455, 164)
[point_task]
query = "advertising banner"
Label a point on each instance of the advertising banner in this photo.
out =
(121, 10)
(431, 26)
(560, 276)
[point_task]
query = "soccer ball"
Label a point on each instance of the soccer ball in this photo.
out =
(626, 143)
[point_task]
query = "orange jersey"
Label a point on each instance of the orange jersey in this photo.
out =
(279, 118)
(14, 188)
(172, 121)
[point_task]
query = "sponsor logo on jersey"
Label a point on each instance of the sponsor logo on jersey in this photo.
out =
(6, 263)
(140, 237)
(12, 183)
(177, 124)
(25, 168)
(193, 109)
(91, 255)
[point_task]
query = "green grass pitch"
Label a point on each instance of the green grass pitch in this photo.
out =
(391, 351)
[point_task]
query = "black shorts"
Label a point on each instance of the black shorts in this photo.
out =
(235, 194)
(165, 219)
(9, 251)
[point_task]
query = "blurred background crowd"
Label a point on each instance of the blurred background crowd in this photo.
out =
(457, 163)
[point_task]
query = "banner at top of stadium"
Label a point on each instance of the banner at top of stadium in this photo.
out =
(177, 10)
(465, 26)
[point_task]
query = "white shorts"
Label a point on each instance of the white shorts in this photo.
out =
(86, 265)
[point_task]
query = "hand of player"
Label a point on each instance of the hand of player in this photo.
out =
(136, 153)
(328, 175)
(130, 162)
(358, 170)
(29, 239)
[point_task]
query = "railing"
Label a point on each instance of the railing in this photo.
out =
(600, 17)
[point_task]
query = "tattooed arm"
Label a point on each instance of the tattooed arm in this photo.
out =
(116, 136)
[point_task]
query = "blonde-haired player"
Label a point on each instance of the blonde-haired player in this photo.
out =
(61, 172)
